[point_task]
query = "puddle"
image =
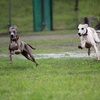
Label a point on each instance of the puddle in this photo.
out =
(54, 55)
(62, 55)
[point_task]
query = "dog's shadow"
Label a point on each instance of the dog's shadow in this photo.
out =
(16, 65)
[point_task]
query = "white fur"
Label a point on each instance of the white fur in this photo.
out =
(88, 35)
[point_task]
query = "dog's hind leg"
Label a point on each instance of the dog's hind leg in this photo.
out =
(89, 51)
(33, 59)
(24, 53)
(28, 50)
(96, 38)
(97, 53)
(88, 46)
(29, 56)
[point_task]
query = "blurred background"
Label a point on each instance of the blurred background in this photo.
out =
(64, 14)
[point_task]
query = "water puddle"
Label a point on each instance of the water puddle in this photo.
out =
(54, 55)
(62, 55)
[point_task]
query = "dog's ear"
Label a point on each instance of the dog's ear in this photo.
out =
(79, 25)
(86, 25)
(17, 37)
(10, 28)
(15, 27)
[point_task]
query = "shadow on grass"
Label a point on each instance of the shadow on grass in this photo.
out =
(17, 64)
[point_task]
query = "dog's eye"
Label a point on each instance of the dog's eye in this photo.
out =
(14, 32)
(78, 29)
(82, 28)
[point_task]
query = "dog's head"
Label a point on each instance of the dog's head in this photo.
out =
(13, 33)
(82, 29)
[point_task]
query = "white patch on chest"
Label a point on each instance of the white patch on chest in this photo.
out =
(13, 45)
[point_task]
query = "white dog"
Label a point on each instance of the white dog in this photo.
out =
(89, 38)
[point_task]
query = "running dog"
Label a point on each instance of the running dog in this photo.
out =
(16, 46)
(89, 38)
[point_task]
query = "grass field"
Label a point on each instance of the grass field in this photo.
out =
(53, 79)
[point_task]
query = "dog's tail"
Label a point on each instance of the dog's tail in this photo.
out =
(31, 46)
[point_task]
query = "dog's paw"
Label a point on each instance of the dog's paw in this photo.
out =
(17, 51)
(10, 62)
(80, 47)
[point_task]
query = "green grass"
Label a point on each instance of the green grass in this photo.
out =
(53, 79)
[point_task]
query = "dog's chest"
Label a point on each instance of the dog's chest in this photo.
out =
(87, 39)
(13, 45)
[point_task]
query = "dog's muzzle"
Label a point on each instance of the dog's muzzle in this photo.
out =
(11, 35)
(79, 34)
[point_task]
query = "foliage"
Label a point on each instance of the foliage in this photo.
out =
(63, 13)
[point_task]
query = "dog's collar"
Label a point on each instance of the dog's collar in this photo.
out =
(15, 39)
(85, 33)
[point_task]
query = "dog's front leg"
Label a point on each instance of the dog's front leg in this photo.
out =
(10, 56)
(96, 50)
(82, 44)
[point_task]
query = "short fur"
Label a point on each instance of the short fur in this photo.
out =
(16, 46)
(89, 38)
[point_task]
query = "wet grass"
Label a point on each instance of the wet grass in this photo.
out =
(53, 79)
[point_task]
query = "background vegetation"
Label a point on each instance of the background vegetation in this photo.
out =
(63, 13)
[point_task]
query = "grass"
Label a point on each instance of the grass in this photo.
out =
(46, 44)
(54, 79)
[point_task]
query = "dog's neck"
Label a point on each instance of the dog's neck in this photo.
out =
(85, 33)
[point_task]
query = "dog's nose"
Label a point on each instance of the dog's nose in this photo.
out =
(79, 34)
(11, 36)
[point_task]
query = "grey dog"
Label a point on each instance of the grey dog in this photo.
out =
(16, 46)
